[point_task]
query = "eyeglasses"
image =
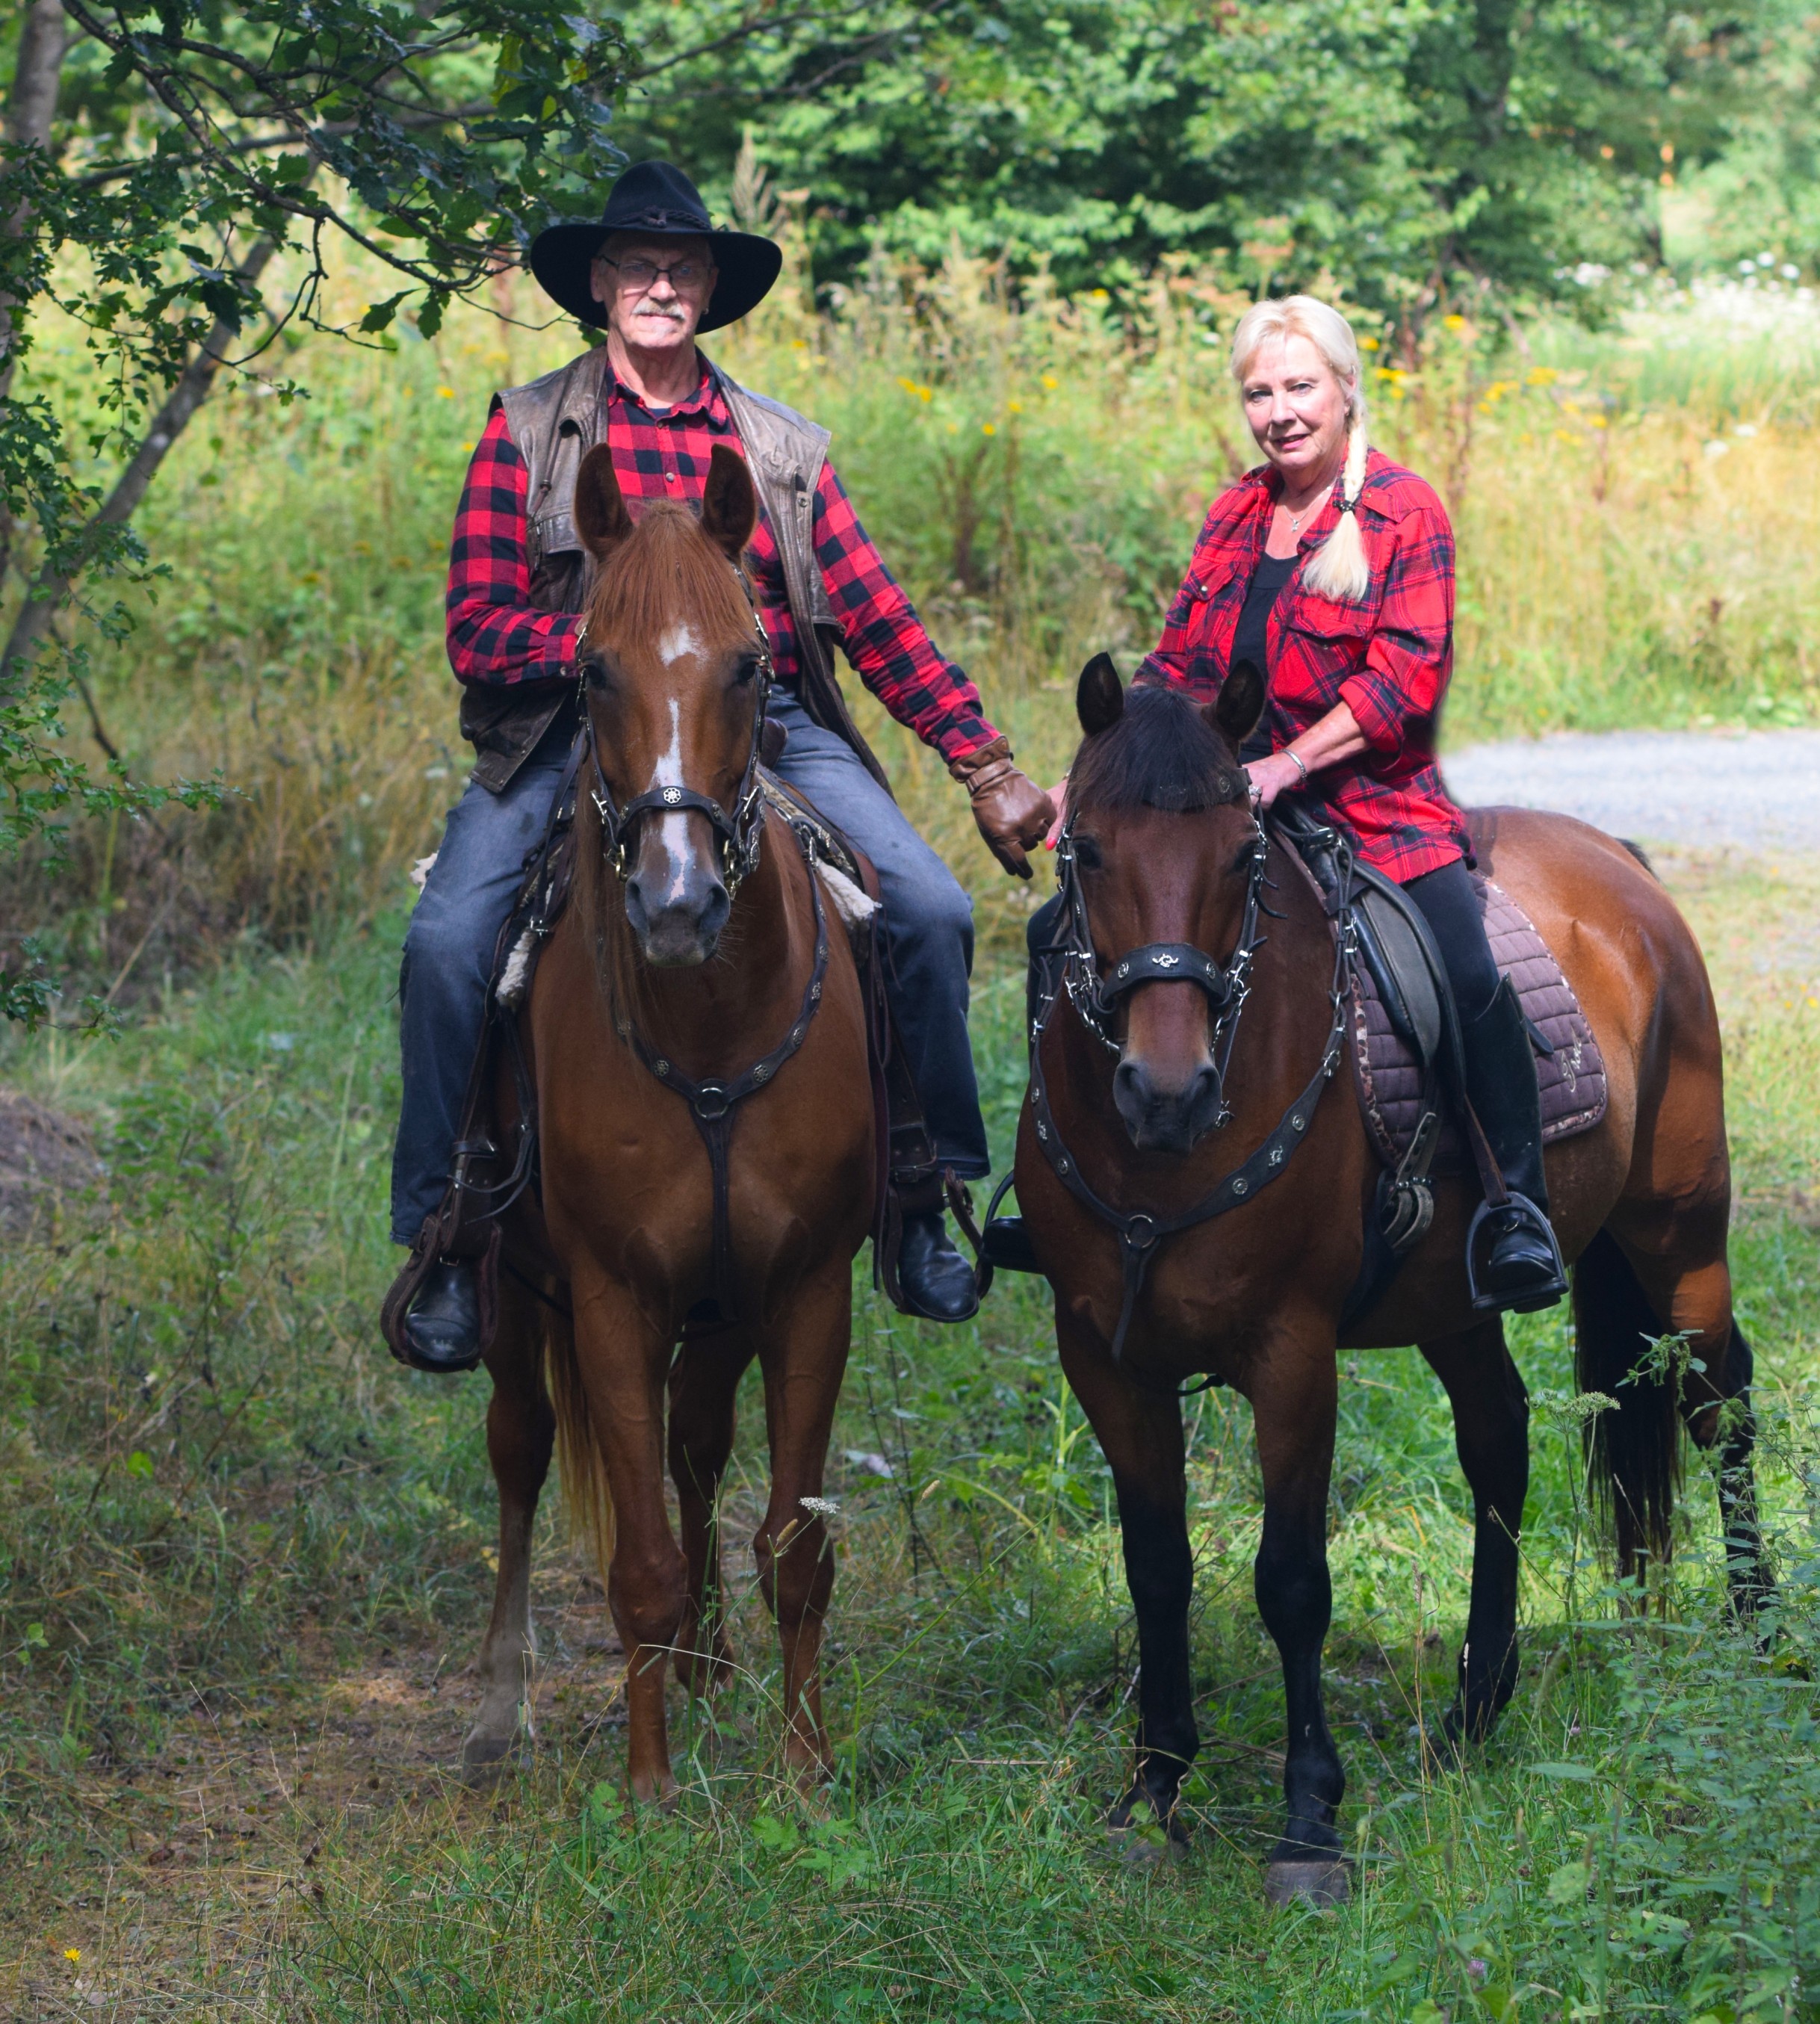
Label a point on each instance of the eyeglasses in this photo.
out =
(640, 275)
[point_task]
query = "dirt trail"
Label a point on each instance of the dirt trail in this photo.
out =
(1752, 790)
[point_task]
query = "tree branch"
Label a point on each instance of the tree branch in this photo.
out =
(50, 589)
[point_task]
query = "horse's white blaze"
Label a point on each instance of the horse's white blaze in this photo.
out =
(678, 643)
(674, 831)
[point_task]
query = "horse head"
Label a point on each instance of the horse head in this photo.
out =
(1163, 840)
(674, 669)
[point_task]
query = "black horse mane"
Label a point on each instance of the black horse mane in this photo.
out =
(1160, 754)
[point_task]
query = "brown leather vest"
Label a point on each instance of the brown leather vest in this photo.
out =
(554, 421)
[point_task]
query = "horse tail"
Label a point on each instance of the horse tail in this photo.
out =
(1633, 1448)
(587, 1495)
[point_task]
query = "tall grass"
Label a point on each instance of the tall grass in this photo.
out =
(1637, 515)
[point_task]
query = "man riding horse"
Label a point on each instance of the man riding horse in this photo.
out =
(654, 273)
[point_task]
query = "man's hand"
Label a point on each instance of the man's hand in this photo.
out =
(1013, 813)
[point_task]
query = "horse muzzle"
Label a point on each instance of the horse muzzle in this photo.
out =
(677, 903)
(1167, 1114)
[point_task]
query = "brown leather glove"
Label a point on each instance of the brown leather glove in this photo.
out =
(1013, 813)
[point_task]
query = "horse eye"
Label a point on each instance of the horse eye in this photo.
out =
(1088, 854)
(746, 668)
(594, 671)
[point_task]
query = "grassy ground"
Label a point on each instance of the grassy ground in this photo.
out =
(245, 1564)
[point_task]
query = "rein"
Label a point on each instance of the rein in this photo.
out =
(712, 1101)
(1141, 1232)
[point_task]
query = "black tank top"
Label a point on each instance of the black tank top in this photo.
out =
(1252, 640)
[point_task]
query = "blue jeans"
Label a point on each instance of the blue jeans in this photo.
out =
(449, 945)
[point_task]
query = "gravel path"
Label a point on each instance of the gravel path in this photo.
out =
(1753, 791)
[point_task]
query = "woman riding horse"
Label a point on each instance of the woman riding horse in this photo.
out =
(1330, 569)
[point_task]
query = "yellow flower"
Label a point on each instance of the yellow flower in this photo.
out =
(445, 393)
(1051, 381)
(1368, 344)
(1541, 376)
(72, 1953)
(1098, 295)
(1016, 407)
(1454, 322)
(988, 428)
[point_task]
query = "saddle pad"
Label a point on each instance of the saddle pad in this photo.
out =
(1572, 1080)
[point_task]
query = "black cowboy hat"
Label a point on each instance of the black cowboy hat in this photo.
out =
(656, 201)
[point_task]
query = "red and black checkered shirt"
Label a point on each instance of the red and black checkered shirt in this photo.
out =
(1387, 658)
(496, 636)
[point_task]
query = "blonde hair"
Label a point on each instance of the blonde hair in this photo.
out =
(1340, 568)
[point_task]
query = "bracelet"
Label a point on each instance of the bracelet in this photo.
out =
(1289, 751)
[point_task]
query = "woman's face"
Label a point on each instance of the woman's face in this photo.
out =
(1297, 408)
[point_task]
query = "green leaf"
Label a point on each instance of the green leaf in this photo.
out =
(380, 315)
(139, 1463)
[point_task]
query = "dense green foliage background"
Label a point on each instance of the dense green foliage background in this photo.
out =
(1403, 150)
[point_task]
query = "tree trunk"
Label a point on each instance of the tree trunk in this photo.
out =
(30, 108)
(48, 590)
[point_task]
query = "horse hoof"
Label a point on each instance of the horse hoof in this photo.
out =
(484, 1759)
(1143, 1850)
(1325, 1883)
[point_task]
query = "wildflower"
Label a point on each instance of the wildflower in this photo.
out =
(988, 428)
(1015, 407)
(819, 1507)
(1051, 381)
(72, 1953)
(1540, 375)
(1368, 344)
(1454, 322)
(1098, 295)
(445, 393)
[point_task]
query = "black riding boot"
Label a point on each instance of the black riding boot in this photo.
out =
(935, 1280)
(1516, 1261)
(442, 1329)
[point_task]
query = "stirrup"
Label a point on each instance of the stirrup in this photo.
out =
(1004, 1244)
(1523, 1300)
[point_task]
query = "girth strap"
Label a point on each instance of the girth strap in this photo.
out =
(711, 1102)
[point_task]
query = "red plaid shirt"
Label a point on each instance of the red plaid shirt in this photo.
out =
(1387, 658)
(496, 636)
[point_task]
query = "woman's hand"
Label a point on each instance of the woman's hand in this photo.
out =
(1277, 774)
(1058, 795)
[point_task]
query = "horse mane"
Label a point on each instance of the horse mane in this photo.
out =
(1161, 752)
(665, 568)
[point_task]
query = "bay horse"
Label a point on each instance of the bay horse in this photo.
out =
(697, 1042)
(1230, 1252)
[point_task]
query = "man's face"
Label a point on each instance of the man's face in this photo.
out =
(653, 291)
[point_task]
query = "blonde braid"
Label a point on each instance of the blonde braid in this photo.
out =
(1340, 570)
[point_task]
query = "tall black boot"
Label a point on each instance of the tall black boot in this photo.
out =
(1513, 1258)
(442, 1329)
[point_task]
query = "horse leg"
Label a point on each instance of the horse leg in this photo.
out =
(1294, 1404)
(520, 1431)
(1492, 1437)
(703, 1382)
(622, 1359)
(804, 1358)
(1676, 1254)
(1140, 1434)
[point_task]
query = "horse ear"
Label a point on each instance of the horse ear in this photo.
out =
(601, 518)
(729, 504)
(1240, 702)
(1099, 695)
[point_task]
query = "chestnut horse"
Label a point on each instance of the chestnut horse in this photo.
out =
(695, 956)
(1163, 846)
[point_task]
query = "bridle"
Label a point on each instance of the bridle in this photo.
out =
(712, 1101)
(1226, 985)
(741, 832)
